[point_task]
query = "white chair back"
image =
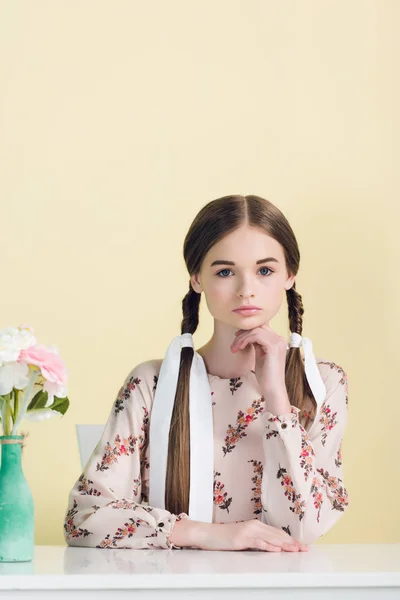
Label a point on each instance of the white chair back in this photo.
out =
(88, 438)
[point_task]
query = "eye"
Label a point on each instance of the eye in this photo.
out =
(224, 270)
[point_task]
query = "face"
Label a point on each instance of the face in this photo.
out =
(227, 286)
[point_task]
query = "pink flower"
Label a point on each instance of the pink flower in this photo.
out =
(48, 360)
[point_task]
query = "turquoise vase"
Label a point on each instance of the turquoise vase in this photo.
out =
(16, 504)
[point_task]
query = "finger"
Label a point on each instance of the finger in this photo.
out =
(284, 541)
(290, 547)
(284, 538)
(279, 534)
(301, 544)
(293, 541)
(239, 335)
(245, 337)
(262, 545)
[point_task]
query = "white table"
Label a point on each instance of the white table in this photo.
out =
(325, 571)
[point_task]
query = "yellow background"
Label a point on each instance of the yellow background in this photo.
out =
(120, 120)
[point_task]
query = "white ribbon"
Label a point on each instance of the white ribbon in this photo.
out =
(313, 375)
(201, 494)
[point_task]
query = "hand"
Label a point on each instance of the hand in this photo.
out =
(270, 350)
(234, 536)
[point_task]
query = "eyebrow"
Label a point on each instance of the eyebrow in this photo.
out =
(229, 262)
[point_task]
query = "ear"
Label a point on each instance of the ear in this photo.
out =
(196, 285)
(289, 282)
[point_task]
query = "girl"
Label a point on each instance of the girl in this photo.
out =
(236, 445)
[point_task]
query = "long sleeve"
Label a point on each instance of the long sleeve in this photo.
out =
(107, 504)
(302, 487)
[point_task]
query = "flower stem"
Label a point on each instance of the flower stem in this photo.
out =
(6, 414)
(26, 399)
(16, 404)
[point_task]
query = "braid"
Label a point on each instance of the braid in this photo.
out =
(190, 311)
(296, 310)
(178, 462)
(297, 385)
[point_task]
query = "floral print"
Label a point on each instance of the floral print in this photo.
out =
(71, 529)
(327, 420)
(280, 469)
(338, 459)
(84, 486)
(120, 447)
(336, 488)
(256, 479)
(234, 384)
(317, 495)
(124, 393)
(290, 493)
(220, 495)
(126, 531)
(242, 421)
(306, 454)
(137, 483)
(343, 380)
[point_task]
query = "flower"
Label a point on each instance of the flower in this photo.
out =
(48, 360)
(33, 371)
(13, 375)
(13, 340)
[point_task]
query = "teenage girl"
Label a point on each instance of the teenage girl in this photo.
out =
(278, 417)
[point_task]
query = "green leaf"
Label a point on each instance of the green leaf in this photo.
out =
(61, 405)
(38, 401)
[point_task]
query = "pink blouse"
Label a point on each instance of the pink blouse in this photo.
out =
(266, 466)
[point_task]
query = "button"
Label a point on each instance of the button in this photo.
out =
(161, 524)
(284, 425)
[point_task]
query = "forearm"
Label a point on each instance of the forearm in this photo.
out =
(277, 402)
(302, 485)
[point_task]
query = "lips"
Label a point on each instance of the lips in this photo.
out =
(247, 307)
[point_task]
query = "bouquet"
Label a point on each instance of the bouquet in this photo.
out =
(33, 379)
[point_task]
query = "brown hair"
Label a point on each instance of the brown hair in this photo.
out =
(215, 220)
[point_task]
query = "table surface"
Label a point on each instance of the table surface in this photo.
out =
(326, 565)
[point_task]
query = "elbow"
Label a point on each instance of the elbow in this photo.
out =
(75, 534)
(68, 540)
(78, 538)
(71, 535)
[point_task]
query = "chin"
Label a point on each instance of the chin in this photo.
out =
(250, 322)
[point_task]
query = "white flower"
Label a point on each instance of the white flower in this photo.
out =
(54, 389)
(40, 414)
(13, 340)
(13, 375)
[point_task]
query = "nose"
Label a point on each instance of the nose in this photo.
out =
(245, 290)
(246, 295)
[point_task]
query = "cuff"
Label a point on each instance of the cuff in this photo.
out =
(164, 529)
(284, 421)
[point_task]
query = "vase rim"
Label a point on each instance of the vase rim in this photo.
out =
(7, 439)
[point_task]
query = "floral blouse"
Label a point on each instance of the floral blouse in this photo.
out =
(266, 466)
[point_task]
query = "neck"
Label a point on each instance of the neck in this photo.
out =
(222, 362)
